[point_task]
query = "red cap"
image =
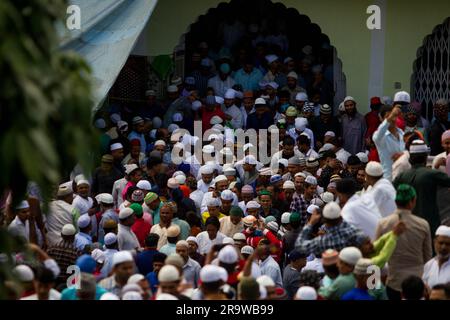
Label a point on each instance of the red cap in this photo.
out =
(248, 94)
(135, 142)
(375, 100)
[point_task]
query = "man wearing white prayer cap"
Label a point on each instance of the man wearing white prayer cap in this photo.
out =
(126, 238)
(84, 203)
(191, 268)
(230, 109)
(83, 240)
(382, 190)
(221, 183)
(306, 293)
(20, 226)
(301, 127)
(169, 279)
(138, 132)
(292, 86)
(437, 270)
(213, 278)
(123, 268)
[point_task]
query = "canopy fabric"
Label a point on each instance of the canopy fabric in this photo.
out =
(109, 31)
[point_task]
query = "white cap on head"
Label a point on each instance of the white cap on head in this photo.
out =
(180, 179)
(250, 159)
(306, 293)
(109, 296)
(300, 174)
(68, 230)
(115, 117)
(402, 96)
(84, 221)
(374, 169)
(182, 243)
(156, 122)
(228, 255)
(418, 146)
(443, 231)
(206, 169)
(229, 172)
(65, 189)
(81, 182)
(196, 105)
(311, 180)
(230, 94)
(326, 147)
(172, 127)
(327, 197)
(213, 202)
(116, 146)
(121, 257)
(285, 217)
(301, 123)
(239, 236)
(311, 208)
(160, 143)
(348, 98)
(177, 117)
(252, 205)
(98, 255)
(362, 157)
(130, 168)
(100, 123)
(227, 195)
(144, 185)
(168, 273)
(215, 120)
(301, 96)
(132, 295)
(332, 211)
(260, 101)
(110, 238)
(220, 178)
(193, 239)
(166, 296)
(265, 281)
(125, 213)
(271, 58)
(24, 273)
(135, 278)
(105, 198)
(292, 74)
(22, 205)
(288, 185)
(350, 255)
(247, 250)
(228, 240)
(330, 134)
(213, 273)
(172, 88)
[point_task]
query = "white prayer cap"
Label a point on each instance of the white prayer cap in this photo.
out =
(172, 183)
(250, 159)
(160, 143)
(166, 296)
(317, 201)
(301, 96)
(104, 198)
(229, 172)
(362, 157)
(24, 273)
(332, 211)
(177, 117)
(115, 118)
(402, 96)
(265, 281)
(168, 273)
(144, 185)
(230, 94)
(362, 266)
(443, 231)
(228, 254)
(306, 293)
(311, 180)
(65, 189)
(193, 239)
(288, 185)
(206, 169)
(292, 74)
(109, 296)
(327, 197)
(326, 147)
(208, 148)
(22, 205)
(116, 146)
(180, 179)
(132, 295)
(152, 133)
(284, 162)
(262, 292)
(220, 178)
(213, 202)
(125, 213)
(122, 125)
(219, 100)
(80, 182)
(228, 240)
(68, 230)
(172, 89)
(260, 101)
(98, 255)
(247, 250)
(172, 127)
(418, 146)
(374, 169)
(121, 257)
(330, 134)
(137, 120)
(300, 174)
(301, 123)
(349, 98)
(311, 208)
(84, 221)
(350, 255)
(130, 168)
(272, 225)
(215, 120)
(213, 273)
(100, 123)
(271, 58)
(196, 105)
(182, 243)
(272, 84)
(110, 238)
(135, 278)
(285, 217)
(238, 236)
(218, 128)
(265, 171)
(227, 195)
(252, 205)
(226, 151)
(150, 93)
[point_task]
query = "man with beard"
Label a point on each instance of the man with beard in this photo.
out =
(248, 107)
(288, 151)
(440, 125)
(437, 270)
(353, 127)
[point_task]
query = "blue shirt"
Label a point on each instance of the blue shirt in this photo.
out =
(144, 261)
(357, 294)
(152, 278)
(71, 293)
(249, 82)
(82, 240)
(387, 145)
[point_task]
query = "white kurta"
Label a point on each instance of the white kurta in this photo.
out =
(60, 213)
(432, 275)
(205, 243)
(235, 114)
(383, 193)
(126, 238)
(209, 195)
(83, 205)
(118, 187)
(21, 229)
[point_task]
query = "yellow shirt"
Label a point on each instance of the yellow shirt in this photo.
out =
(206, 215)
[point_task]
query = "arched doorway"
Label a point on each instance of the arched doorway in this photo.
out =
(262, 18)
(431, 74)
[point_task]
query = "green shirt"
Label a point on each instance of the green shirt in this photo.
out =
(185, 228)
(340, 286)
(384, 247)
(426, 182)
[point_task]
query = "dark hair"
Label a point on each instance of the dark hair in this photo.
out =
(418, 158)
(161, 180)
(214, 221)
(346, 186)
(413, 288)
(153, 161)
(353, 161)
(131, 190)
(172, 240)
(310, 278)
(411, 136)
(328, 154)
(44, 275)
(193, 219)
(302, 139)
(332, 269)
(385, 109)
(191, 182)
(212, 286)
(159, 257)
(284, 94)
(230, 267)
(288, 141)
(151, 240)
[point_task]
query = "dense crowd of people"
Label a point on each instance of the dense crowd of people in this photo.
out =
(346, 196)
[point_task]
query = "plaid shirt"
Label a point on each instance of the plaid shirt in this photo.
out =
(337, 237)
(300, 204)
(65, 255)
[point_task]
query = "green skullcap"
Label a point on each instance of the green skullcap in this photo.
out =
(236, 211)
(269, 219)
(264, 193)
(294, 217)
(405, 193)
(150, 197)
(137, 209)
